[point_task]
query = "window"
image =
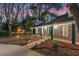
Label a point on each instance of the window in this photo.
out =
(36, 30)
(49, 30)
(65, 30)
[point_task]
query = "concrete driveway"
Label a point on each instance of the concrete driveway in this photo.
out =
(14, 50)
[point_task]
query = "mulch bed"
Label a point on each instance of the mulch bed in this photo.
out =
(67, 45)
(48, 44)
(64, 49)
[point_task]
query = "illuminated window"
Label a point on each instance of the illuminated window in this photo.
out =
(65, 30)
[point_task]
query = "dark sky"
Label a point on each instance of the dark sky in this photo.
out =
(57, 9)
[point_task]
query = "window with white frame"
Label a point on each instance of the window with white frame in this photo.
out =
(65, 30)
(36, 30)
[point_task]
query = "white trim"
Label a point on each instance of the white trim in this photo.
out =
(67, 29)
(53, 31)
(42, 30)
(36, 30)
(63, 30)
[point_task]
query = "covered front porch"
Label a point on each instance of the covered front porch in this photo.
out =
(64, 32)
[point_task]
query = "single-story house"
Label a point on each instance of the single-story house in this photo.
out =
(64, 29)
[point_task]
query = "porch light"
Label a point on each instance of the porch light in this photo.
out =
(19, 30)
(55, 26)
(45, 27)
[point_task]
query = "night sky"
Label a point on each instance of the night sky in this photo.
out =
(58, 9)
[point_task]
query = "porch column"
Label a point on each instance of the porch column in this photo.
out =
(63, 30)
(73, 34)
(52, 32)
(36, 30)
(42, 30)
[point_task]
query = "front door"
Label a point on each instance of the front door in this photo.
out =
(34, 31)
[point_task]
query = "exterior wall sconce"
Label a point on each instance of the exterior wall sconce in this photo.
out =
(45, 28)
(55, 26)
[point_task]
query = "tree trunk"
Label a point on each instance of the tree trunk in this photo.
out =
(75, 11)
(9, 28)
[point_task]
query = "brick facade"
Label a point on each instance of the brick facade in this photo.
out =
(58, 33)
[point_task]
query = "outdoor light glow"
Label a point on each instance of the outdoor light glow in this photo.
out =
(45, 27)
(55, 26)
(19, 29)
(17, 36)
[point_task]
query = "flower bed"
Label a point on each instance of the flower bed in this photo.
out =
(48, 44)
(45, 45)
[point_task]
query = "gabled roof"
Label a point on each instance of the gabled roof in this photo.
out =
(57, 20)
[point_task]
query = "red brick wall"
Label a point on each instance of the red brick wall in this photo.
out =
(77, 35)
(58, 33)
